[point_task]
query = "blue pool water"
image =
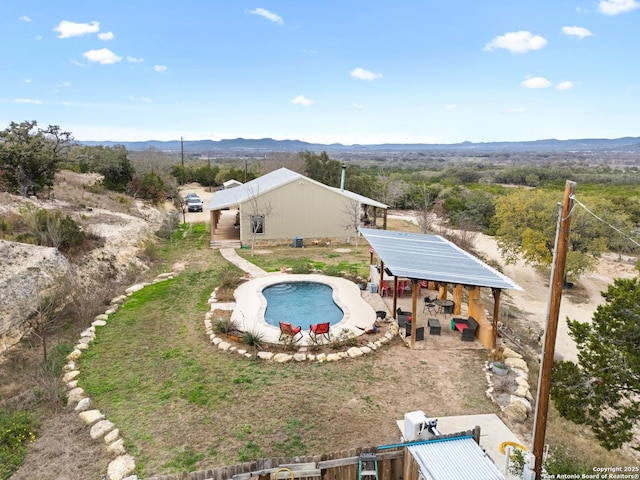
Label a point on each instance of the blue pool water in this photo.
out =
(301, 303)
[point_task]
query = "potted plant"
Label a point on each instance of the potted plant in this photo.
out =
(496, 356)
(499, 368)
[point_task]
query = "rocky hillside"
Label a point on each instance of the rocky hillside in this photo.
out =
(120, 232)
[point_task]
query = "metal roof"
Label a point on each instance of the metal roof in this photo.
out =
(431, 257)
(240, 194)
(454, 459)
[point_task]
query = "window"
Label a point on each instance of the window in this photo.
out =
(257, 223)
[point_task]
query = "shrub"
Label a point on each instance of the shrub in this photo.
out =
(169, 225)
(345, 338)
(225, 325)
(51, 229)
(253, 338)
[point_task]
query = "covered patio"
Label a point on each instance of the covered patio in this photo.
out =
(418, 262)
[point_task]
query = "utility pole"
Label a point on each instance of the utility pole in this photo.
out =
(555, 295)
(182, 159)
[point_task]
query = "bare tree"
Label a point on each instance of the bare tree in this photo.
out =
(47, 312)
(352, 214)
(390, 189)
(255, 212)
(424, 215)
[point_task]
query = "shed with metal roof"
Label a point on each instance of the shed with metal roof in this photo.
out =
(453, 459)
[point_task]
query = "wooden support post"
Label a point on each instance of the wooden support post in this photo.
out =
(496, 313)
(414, 311)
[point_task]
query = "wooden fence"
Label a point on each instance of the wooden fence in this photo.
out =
(336, 466)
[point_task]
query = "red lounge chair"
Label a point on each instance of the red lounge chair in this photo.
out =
(321, 329)
(288, 330)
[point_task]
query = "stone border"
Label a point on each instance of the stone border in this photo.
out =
(301, 355)
(520, 402)
(123, 464)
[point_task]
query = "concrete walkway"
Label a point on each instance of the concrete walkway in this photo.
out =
(232, 257)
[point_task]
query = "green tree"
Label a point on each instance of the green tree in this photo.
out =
(30, 157)
(111, 162)
(322, 169)
(526, 221)
(151, 187)
(603, 389)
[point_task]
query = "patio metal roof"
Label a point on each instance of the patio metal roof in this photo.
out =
(431, 257)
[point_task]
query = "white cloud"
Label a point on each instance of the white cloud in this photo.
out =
(27, 80)
(301, 100)
(450, 106)
(24, 18)
(536, 82)
(574, 31)
(28, 100)
(160, 68)
(357, 105)
(71, 29)
(63, 85)
(104, 56)
(134, 59)
(566, 85)
(614, 7)
(516, 42)
(105, 36)
(145, 99)
(268, 15)
(367, 75)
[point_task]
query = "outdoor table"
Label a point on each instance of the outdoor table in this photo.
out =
(444, 306)
(434, 326)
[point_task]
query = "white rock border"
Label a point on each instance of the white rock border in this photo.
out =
(123, 465)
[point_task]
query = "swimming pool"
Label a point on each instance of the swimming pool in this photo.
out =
(251, 305)
(301, 303)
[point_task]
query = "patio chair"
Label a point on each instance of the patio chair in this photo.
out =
(385, 290)
(288, 330)
(320, 329)
(429, 306)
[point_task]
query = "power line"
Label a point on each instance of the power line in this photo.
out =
(607, 223)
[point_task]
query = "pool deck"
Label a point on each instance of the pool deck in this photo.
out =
(251, 305)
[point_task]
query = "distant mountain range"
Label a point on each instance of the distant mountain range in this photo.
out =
(265, 145)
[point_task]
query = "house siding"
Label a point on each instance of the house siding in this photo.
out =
(300, 208)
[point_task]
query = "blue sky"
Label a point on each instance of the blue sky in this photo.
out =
(327, 71)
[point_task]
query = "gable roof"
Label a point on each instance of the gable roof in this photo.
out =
(231, 183)
(431, 257)
(277, 178)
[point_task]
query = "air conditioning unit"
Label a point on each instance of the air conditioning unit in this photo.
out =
(412, 424)
(417, 426)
